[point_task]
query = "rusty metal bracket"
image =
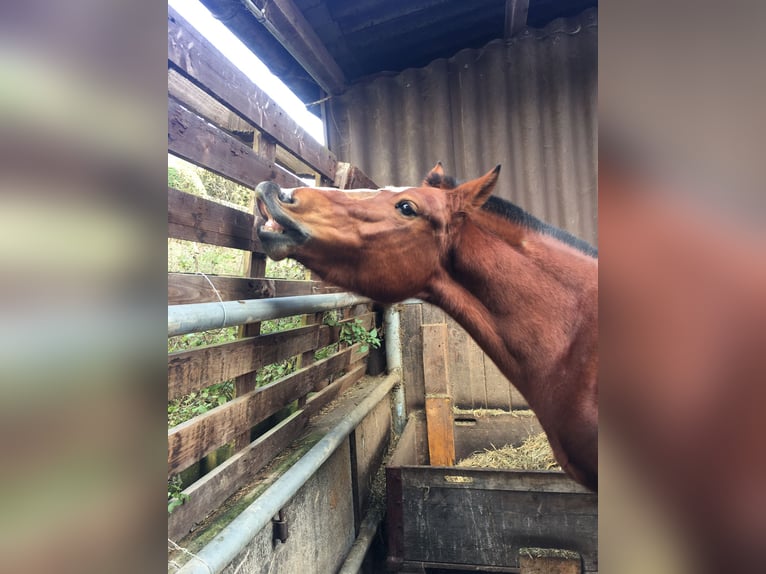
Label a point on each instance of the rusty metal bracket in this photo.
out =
(280, 528)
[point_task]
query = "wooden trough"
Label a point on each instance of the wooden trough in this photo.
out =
(473, 519)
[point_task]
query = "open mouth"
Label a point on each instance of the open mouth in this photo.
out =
(270, 224)
(278, 233)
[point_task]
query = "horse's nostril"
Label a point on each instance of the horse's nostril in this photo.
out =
(286, 195)
(266, 188)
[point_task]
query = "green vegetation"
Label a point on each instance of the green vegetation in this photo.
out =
(191, 257)
(197, 403)
(352, 333)
(175, 496)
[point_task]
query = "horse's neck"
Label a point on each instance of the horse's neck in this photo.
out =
(523, 306)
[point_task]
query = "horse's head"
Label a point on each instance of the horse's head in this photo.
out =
(387, 244)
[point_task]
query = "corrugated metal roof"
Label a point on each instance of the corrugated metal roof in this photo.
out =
(366, 37)
(529, 103)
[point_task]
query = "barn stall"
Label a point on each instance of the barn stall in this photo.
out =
(288, 475)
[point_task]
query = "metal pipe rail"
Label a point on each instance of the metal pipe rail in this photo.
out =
(233, 539)
(183, 319)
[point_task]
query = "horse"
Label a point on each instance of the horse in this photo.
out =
(683, 369)
(526, 291)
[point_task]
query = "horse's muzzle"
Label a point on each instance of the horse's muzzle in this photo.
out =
(278, 232)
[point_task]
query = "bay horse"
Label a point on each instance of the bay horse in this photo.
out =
(527, 292)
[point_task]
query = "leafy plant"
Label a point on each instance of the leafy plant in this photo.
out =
(271, 373)
(175, 495)
(325, 352)
(331, 318)
(201, 339)
(189, 406)
(281, 324)
(356, 332)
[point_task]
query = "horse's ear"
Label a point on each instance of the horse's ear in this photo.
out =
(477, 191)
(434, 177)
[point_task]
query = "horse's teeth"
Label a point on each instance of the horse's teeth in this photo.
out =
(272, 226)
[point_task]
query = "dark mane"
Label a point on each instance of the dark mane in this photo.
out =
(517, 215)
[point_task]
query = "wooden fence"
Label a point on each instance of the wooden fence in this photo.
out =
(219, 120)
(474, 381)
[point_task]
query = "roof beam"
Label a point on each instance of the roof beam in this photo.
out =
(286, 23)
(515, 16)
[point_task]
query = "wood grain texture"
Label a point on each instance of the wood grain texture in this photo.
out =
(194, 139)
(192, 370)
(481, 431)
(195, 218)
(184, 288)
(193, 439)
(193, 56)
(297, 35)
(189, 371)
(438, 403)
(208, 493)
(477, 519)
(348, 176)
(412, 357)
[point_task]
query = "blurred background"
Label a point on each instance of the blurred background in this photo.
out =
(82, 236)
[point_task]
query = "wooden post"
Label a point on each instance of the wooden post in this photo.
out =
(438, 403)
(254, 265)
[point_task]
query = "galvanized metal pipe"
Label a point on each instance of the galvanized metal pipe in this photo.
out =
(183, 319)
(392, 337)
(235, 537)
(359, 548)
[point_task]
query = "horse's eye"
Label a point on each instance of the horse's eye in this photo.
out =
(406, 208)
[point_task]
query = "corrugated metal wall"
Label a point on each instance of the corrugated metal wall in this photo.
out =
(528, 104)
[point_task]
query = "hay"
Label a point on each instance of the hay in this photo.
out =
(549, 553)
(533, 454)
(487, 413)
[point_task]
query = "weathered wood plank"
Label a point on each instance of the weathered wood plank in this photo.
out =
(195, 218)
(370, 441)
(478, 383)
(412, 357)
(461, 374)
(479, 431)
(205, 105)
(193, 439)
(441, 440)
(197, 59)
(194, 139)
(189, 371)
(509, 510)
(439, 421)
(348, 176)
(184, 288)
(317, 402)
(432, 314)
(296, 34)
(497, 387)
(208, 493)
